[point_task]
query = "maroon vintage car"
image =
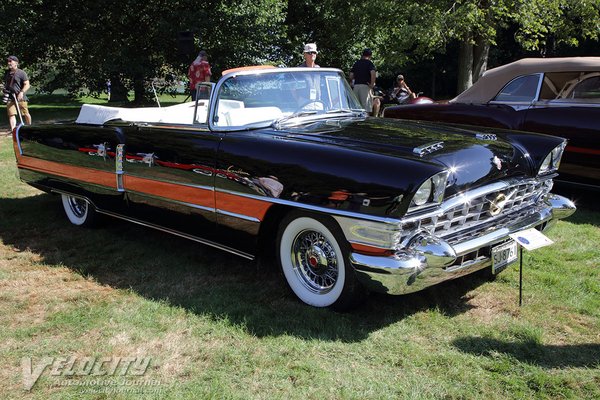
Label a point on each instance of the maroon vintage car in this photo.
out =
(556, 96)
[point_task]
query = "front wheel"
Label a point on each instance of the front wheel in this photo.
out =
(314, 264)
(78, 210)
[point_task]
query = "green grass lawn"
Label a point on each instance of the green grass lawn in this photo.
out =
(217, 326)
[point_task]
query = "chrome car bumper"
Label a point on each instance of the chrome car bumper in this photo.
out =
(428, 260)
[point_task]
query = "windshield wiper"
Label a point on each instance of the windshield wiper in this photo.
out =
(278, 122)
(353, 111)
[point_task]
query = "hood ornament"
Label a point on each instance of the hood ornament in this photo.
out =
(428, 148)
(486, 136)
(497, 162)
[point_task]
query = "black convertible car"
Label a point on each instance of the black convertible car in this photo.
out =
(284, 163)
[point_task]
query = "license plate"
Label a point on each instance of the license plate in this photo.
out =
(503, 255)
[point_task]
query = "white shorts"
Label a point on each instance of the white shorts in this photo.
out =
(365, 96)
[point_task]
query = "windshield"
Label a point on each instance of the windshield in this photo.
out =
(265, 97)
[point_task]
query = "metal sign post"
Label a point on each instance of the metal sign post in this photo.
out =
(529, 239)
(521, 276)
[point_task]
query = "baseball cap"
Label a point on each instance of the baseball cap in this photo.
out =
(13, 58)
(310, 48)
(367, 52)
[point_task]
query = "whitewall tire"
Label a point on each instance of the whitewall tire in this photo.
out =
(78, 210)
(314, 263)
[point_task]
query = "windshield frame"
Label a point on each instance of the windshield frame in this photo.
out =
(216, 92)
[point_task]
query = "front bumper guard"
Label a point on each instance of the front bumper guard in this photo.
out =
(428, 260)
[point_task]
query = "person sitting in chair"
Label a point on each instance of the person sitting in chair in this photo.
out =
(402, 93)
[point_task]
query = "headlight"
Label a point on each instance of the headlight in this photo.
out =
(430, 192)
(423, 193)
(552, 160)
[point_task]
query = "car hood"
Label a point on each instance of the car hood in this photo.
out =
(473, 157)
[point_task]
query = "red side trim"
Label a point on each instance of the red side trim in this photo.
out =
(83, 174)
(173, 191)
(202, 197)
(582, 150)
(187, 194)
(371, 251)
(242, 205)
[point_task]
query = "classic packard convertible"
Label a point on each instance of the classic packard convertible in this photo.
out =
(283, 163)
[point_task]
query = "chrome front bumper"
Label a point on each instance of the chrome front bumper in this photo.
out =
(428, 260)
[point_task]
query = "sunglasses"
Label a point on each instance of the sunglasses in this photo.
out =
(310, 52)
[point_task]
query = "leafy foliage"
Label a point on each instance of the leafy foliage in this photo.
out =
(81, 44)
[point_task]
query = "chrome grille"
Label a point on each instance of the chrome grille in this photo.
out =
(468, 216)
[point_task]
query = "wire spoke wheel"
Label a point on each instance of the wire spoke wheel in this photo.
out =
(312, 256)
(315, 261)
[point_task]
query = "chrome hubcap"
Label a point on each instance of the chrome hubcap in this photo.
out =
(78, 206)
(315, 261)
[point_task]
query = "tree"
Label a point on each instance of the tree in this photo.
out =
(81, 43)
(84, 43)
(475, 24)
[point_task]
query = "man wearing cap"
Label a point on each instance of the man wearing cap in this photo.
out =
(362, 79)
(310, 55)
(199, 71)
(16, 83)
(309, 97)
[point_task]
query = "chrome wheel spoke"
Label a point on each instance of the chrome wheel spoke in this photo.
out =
(315, 261)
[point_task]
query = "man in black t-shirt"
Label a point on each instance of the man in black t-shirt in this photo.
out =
(362, 79)
(16, 84)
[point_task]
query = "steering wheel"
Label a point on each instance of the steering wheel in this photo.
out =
(312, 105)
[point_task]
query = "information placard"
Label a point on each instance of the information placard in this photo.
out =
(531, 239)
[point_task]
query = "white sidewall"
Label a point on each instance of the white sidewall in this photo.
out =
(75, 220)
(285, 253)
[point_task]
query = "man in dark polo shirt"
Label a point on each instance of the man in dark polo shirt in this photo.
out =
(362, 79)
(16, 83)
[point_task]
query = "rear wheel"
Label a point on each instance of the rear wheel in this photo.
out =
(78, 210)
(315, 264)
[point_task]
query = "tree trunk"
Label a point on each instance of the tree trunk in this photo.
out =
(480, 57)
(465, 66)
(472, 62)
(138, 90)
(118, 92)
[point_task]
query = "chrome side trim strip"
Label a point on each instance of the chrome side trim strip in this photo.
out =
(78, 196)
(330, 211)
(180, 234)
(67, 179)
(160, 228)
(120, 186)
(239, 216)
(119, 167)
(209, 188)
(166, 199)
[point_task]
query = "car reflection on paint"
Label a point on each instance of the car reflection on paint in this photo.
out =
(283, 163)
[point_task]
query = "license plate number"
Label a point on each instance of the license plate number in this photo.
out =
(503, 255)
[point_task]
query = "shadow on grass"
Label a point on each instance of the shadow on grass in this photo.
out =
(531, 352)
(203, 280)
